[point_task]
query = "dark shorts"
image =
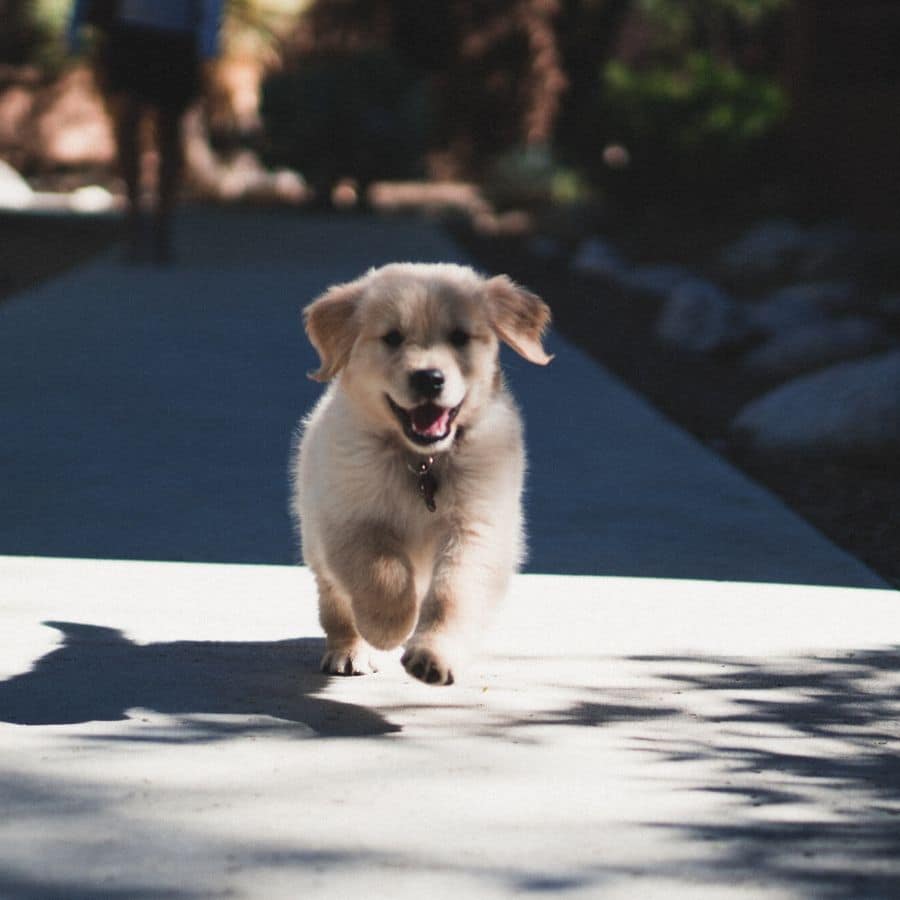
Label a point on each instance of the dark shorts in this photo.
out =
(151, 65)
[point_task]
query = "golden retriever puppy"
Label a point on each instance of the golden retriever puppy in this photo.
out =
(408, 472)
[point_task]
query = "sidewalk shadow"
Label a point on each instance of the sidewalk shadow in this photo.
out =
(821, 737)
(98, 674)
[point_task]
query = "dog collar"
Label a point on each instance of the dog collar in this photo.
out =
(426, 483)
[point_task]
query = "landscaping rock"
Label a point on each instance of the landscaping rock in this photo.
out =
(766, 250)
(15, 192)
(833, 248)
(805, 303)
(71, 126)
(546, 248)
(16, 104)
(779, 312)
(600, 259)
(240, 177)
(700, 317)
(832, 296)
(92, 198)
(815, 345)
(657, 281)
(889, 307)
(851, 409)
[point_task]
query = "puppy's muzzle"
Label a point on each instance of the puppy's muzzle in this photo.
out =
(426, 383)
(427, 423)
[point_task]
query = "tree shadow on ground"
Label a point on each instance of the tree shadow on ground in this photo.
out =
(98, 674)
(24, 888)
(107, 844)
(820, 733)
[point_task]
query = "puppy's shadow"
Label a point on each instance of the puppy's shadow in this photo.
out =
(218, 689)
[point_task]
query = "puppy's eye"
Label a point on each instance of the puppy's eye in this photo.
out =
(393, 338)
(459, 338)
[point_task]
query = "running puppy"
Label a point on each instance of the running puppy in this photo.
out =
(408, 473)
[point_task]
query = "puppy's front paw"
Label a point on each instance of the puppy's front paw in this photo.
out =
(386, 624)
(353, 660)
(427, 665)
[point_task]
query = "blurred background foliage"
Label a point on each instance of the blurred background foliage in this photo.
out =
(529, 95)
(686, 100)
(330, 118)
(31, 32)
(544, 101)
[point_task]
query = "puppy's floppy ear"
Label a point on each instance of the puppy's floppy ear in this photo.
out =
(519, 318)
(330, 322)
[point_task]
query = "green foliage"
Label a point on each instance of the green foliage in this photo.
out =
(51, 15)
(685, 26)
(531, 177)
(705, 106)
(255, 27)
(693, 98)
(33, 32)
(681, 18)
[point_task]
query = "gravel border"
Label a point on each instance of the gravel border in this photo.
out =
(855, 504)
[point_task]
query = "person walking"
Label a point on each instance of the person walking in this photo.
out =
(149, 58)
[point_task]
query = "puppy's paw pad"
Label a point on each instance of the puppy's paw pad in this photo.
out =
(347, 662)
(427, 666)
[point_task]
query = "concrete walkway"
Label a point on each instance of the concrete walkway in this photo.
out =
(164, 733)
(698, 697)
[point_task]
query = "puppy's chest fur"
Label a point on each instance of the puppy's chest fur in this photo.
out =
(349, 477)
(350, 474)
(384, 483)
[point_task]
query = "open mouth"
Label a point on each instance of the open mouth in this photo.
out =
(426, 423)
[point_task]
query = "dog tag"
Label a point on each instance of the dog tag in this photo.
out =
(426, 482)
(427, 488)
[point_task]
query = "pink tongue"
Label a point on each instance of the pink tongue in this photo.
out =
(429, 419)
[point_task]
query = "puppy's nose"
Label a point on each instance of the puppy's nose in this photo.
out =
(427, 382)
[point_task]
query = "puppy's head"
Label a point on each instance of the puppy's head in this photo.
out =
(416, 345)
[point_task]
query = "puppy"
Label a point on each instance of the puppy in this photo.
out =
(407, 477)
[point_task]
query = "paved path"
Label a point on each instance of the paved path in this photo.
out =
(686, 731)
(164, 733)
(147, 414)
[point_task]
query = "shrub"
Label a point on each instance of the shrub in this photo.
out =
(693, 115)
(360, 114)
(703, 134)
(689, 95)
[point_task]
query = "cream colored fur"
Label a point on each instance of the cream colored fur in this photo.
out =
(389, 571)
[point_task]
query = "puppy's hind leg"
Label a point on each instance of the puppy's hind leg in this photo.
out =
(346, 652)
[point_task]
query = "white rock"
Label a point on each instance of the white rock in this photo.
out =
(815, 345)
(700, 317)
(832, 245)
(766, 249)
(597, 257)
(657, 280)
(545, 248)
(889, 307)
(15, 192)
(805, 303)
(778, 313)
(852, 408)
(91, 198)
(71, 126)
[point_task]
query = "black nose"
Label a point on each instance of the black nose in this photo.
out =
(426, 382)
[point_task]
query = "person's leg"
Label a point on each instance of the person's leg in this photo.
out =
(170, 168)
(126, 113)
